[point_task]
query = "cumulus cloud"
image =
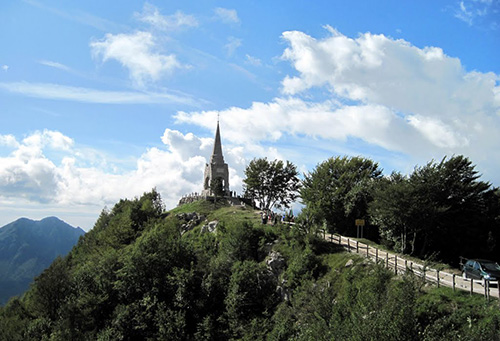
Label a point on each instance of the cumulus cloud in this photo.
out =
(9, 141)
(5, 67)
(293, 116)
(228, 16)
(48, 168)
(138, 53)
(152, 16)
(432, 90)
(416, 102)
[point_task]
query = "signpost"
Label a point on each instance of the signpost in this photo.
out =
(359, 227)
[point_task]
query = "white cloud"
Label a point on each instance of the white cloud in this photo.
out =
(75, 179)
(424, 85)
(137, 53)
(5, 67)
(55, 65)
(86, 95)
(228, 16)
(253, 60)
(474, 11)
(437, 132)
(151, 15)
(232, 44)
(9, 141)
(327, 120)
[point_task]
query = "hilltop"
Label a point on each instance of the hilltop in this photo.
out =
(208, 271)
(27, 247)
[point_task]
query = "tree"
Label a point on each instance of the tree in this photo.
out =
(339, 189)
(272, 184)
(392, 211)
(217, 188)
(440, 208)
(251, 294)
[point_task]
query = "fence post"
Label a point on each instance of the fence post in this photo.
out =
(437, 277)
(454, 282)
(387, 260)
(471, 286)
(486, 285)
(395, 264)
(376, 255)
(367, 251)
(411, 266)
(424, 273)
(357, 246)
(348, 245)
(406, 265)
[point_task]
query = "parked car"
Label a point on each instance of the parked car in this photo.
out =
(481, 269)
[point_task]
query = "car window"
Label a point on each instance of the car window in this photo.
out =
(476, 266)
(491, 266)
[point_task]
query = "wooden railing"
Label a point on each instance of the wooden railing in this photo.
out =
(400, 265)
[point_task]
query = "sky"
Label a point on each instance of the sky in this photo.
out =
(103, 100)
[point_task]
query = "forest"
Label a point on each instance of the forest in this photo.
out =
(143, 273)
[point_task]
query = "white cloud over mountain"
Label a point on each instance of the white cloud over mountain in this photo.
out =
(47, 168)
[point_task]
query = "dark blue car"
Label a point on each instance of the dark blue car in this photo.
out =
(481, 269)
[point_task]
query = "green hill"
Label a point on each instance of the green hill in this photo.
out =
(27, 247)
(213, 272)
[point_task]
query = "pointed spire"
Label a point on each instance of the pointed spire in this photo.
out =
(217, 156)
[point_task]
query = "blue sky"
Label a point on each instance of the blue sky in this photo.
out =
(102, 100)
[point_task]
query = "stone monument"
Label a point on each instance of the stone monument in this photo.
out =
(216, 169)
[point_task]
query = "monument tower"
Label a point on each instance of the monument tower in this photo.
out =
(216, 169)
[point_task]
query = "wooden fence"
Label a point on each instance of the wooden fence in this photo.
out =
(400, 265)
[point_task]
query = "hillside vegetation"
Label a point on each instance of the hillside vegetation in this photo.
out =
(145, 274)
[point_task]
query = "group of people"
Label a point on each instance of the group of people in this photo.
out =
(273, 218)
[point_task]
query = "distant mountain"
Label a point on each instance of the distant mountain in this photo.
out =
(27, 247)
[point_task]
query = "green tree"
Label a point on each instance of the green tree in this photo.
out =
(217, 188)
(251, 295)
(441, 208)
(272, 184)
(51, 290)
(395, 211)
(339, 190)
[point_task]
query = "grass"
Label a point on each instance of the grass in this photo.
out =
(428, 262)
(220, 211)
(201, 207)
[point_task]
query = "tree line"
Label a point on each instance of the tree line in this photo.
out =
(441, 211)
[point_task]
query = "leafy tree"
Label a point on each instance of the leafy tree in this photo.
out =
(51, 290)
(339, 190)
(217, 188)
(442, 207)
(272, 184)
(394, 211)
(251, 294)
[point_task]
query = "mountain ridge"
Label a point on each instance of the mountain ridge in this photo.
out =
(29, 246)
